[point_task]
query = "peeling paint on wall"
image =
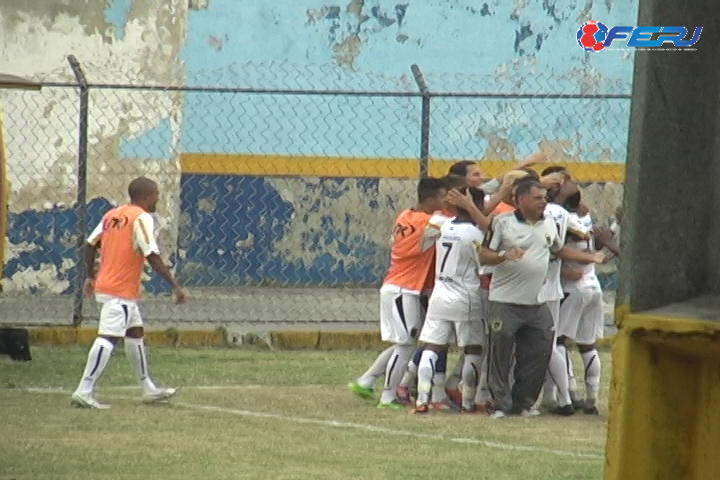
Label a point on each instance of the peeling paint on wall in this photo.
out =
(288, 231)
(343, 218)
(314, 231)
(130, 133)
(348, 27)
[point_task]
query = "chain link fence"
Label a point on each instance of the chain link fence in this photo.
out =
(276, 204)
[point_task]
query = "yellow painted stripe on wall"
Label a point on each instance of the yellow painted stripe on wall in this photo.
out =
(289, 165)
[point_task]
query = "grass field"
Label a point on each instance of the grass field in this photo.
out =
(265, 415)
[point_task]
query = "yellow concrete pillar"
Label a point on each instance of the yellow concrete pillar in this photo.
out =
(665, 399)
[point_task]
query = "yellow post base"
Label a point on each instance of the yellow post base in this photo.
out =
(664, 418)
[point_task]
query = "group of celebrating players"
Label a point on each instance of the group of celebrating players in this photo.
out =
(505, 269)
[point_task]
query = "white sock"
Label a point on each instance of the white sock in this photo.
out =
(438, 387)
(483, 394)
(135, 352)
(558, 371)
(410, 376)
(377, 369)
(396, 367)
(470, 377)
(453, 381)
(571, 376)
(591, 360)
(98, 359)
(549, 395)
(426, 372)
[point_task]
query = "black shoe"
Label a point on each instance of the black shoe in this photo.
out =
(591, 410)
(515, 410)
(565, 410)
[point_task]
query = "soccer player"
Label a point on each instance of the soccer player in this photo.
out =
(470, 172)
(552, 293)
(581, 313)
(454, 182)
(401, 312)
(454, 306)
(126, 240)
(586, 323)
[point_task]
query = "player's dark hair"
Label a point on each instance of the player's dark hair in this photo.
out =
(553, 169)
(428, 187)
(523, 186)
(454, 181)
(461, 168)
(572, 203)
(140, 188)
(478, 198)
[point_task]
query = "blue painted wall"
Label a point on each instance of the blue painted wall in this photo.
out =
(51, 233)
(235, 242)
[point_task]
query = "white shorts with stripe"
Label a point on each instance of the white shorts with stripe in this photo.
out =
(582, 318)
(443, 332)
(401, 317)
(117, 315)
(444, 326)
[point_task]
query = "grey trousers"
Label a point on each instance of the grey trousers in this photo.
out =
(528, 330)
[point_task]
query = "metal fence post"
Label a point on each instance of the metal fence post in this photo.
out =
(81, 203)
(424, 121)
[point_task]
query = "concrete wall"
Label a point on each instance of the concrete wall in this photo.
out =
(117, 41)
(329, 228)
(674, 114)
(275, 224)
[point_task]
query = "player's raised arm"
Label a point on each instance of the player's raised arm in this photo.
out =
(604, 239)
(465, 202)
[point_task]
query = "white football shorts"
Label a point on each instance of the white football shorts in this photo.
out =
(582, 317)
(117, 315)
(443, 332)
(401, 317)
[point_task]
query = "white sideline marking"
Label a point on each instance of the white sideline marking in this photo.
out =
(330, 423)
(136, 387)
(390, 431)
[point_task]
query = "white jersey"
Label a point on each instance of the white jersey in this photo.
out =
(589, 280)
(552, 287)
(457, 278)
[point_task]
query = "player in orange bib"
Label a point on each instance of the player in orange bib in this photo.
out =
(412, 261)
(126, 239)
(412, 257)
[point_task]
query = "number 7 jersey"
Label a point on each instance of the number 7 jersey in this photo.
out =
(457, 268)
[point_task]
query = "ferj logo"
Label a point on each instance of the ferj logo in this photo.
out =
(595, 36)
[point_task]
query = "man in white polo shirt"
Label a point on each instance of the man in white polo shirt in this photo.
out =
(518, 317)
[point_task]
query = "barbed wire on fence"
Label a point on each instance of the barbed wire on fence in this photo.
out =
(277, 196)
